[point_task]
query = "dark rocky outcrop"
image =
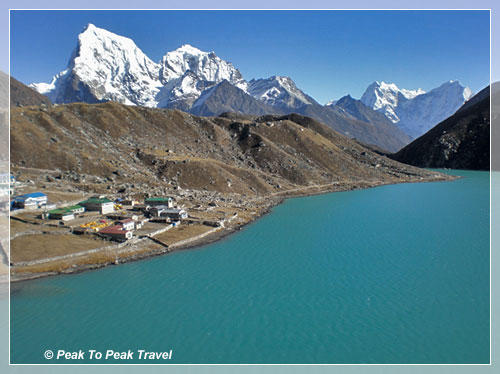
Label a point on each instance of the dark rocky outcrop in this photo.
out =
(462, 141)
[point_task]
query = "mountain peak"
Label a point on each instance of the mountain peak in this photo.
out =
(390, 86)
(347, 97)
(279, 91)
(92, 29)
(89, 26)
(206, 65)
(105, 66)
(189, 49)
(104, 42)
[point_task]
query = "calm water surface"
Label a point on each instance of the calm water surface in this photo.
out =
(394, 274)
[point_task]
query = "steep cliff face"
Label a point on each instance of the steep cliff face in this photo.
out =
(462, 141)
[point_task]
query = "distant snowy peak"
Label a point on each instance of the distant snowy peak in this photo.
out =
(279, 91)
(46, 88)
(206, 65)
(416, 111)
(385, 97)
(454, 87)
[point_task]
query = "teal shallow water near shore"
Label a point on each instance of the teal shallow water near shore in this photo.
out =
(393, 274)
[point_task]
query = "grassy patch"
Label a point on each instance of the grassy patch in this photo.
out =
(36, 247)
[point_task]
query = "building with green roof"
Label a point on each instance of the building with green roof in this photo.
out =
(155, 201)
(65, 213)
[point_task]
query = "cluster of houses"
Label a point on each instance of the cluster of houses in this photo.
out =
(163, 207)
(120, 227)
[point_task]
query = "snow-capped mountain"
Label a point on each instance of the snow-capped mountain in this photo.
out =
(280, 92)
(187, 72)
(205, 65)
(108, 67)
(385, 97)
(415, 112)
(105, 66)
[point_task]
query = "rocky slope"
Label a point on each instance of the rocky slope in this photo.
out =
(386, 136)
(112, 147)
(22, 95)
(460, 142)
(225, 97)
(355, 108)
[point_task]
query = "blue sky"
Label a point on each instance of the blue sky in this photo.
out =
(327, 53)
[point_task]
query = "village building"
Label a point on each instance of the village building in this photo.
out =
(32, 200)
(98, 203)
(75, 209)
(116, 232)
(127, 224)
(157, 201)
(129, 202)
(64, 213)
(166, 212)
(61, 214)
(118, 216)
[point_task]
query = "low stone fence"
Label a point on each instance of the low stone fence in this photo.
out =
(40, 232)
(194, 238)
(159, 231)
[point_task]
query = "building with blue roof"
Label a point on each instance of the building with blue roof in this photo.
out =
(31, 200)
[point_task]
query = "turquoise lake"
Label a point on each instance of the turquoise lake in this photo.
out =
(393, 274)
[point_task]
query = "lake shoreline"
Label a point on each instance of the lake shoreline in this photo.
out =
(225, 232)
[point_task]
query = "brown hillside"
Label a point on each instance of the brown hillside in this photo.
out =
(113, 147)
